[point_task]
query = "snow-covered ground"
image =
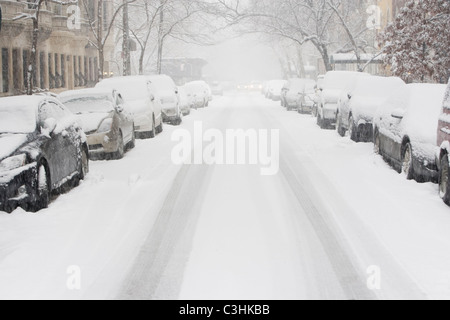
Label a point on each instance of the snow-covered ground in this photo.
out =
(143, 227)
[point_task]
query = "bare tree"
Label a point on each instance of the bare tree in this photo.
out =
(101, 30)
(36, 7)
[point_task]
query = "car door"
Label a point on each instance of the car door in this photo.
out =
(156, 103)
(125, 118)
(391, 138)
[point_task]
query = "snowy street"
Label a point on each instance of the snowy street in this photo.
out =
(332, 220)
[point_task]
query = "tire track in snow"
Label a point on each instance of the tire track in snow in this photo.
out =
(298, 169)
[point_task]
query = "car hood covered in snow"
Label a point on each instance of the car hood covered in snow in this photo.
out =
(91, 121)
(365, 107)
(9, 143)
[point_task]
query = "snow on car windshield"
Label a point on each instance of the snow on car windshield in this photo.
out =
(89, 104)
(340, 80)
(17, 119)
(376, 86)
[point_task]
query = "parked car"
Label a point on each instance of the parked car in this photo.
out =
(103, 115)
(358, 105)
(443, 142)
(185, 104)
(274, 88)
(198, 93)
(308, 97)
(405, 131)
(291, 93)
(139, 95)
(42, 151)
(167, 93)
(217, 88)
(330, 91)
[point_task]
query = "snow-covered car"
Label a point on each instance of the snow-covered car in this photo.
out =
(103, 115)
(198, 93)
(217, 89)
(291, 93)
(139, 95)
(405, 132)
(443, 142)
(167, 94)
(185, 103)
(330, 91)
(358, 105)
(43, 150)
(274, 89)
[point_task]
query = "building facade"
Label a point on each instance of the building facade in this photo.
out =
(66, 58)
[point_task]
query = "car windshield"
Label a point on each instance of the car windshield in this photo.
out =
(89, 104)
(17, 119)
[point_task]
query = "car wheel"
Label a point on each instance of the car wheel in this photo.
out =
(84, 164)
(120, 153)
(339, 128)
(407, 162)
(152, 133)
(160, 128)
(444, 180)
(42, 190)
(353, 130)
(132, 144)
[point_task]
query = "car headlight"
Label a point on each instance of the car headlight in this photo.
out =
(105, 126)
(14, 162)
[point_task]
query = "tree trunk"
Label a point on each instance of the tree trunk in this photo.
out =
(160, 40)
(126, 41)
(33, 56)
(100, 45)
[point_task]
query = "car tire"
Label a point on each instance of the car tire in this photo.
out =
(340, 130)
(120, 153)
(444, 180)
(152, 133)
(43, 190)
(132, 143)
(160, 128)
(353, 130)
(408, 162)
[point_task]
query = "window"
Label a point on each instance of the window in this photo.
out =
(26, 62)
(5, 70)
(63, 71)
(42, 70)
(16, 70)
(51, 73)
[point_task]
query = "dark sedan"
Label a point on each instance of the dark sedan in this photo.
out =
(42, 151)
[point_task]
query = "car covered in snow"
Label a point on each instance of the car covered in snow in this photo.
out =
(139, 95)
(198, 93)
(443, 142)
(405, 132)
(359, 104)
(167, 93)
(185, 103)
(217, 88)
(330, 91)
(43, 150)
(293, 92)
(103, 115)
(274, 89)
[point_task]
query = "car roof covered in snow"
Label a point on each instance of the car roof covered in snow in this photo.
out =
(376, 86)
(86, 92)
(342, 79)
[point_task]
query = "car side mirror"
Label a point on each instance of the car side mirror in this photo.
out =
(152, 97)
(50, 125)
(119, 108)
(349, 96)
(398, 114)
